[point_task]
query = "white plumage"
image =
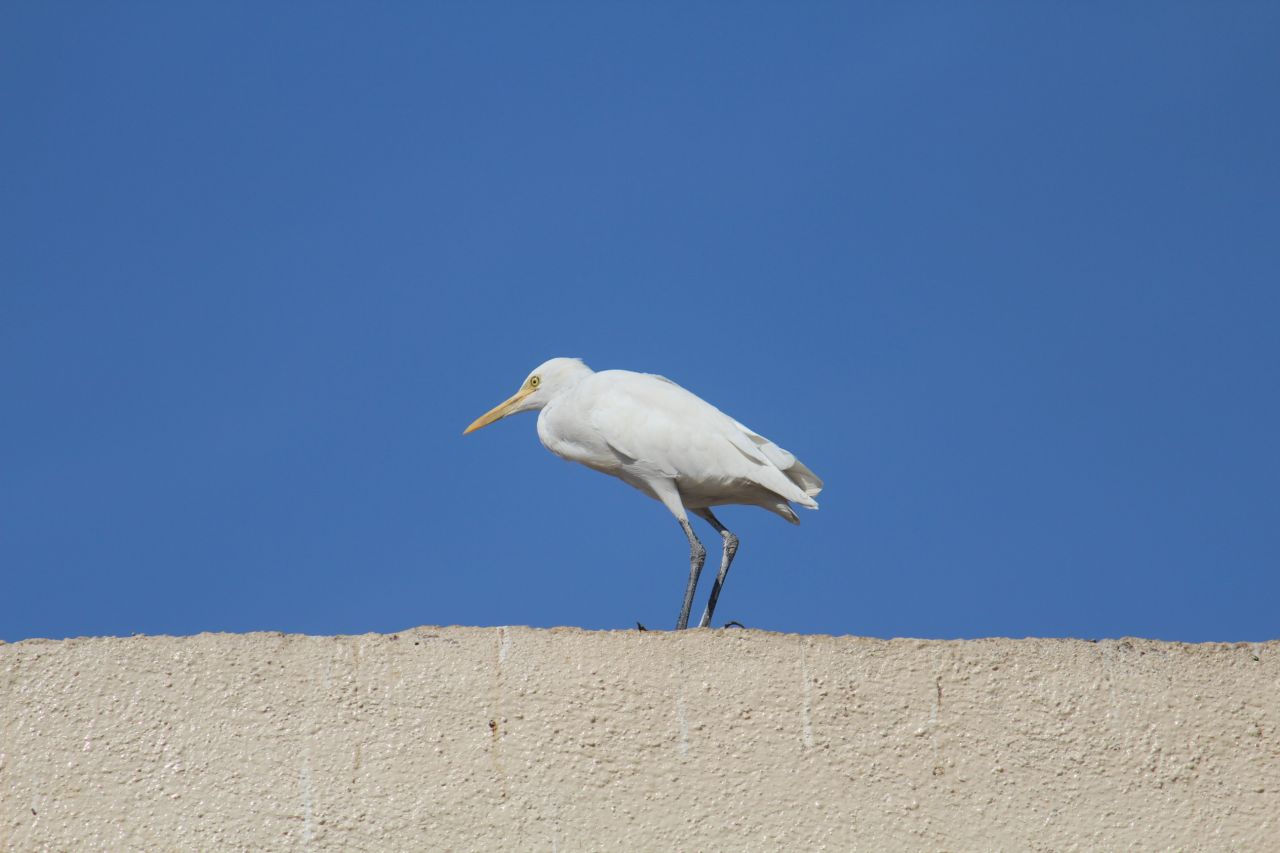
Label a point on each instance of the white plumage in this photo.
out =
(665, 441)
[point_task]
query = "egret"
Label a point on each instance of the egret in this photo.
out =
(665, 441)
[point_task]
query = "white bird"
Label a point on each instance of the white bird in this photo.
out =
(665, 441)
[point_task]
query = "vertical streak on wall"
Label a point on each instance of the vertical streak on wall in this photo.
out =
(682, 723)
(496, 720)
(806, 695)
(306, 787)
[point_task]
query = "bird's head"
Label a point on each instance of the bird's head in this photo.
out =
(539, 387)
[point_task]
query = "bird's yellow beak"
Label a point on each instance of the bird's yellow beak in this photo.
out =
(499, 411)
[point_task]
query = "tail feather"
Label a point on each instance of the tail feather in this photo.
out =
(784, 509)
(799, 474)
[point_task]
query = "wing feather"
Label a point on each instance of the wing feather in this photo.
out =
(786, 462)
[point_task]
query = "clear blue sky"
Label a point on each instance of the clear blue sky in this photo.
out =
(1006, 276)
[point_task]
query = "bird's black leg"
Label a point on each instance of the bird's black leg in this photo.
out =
(726, 557)
(697, 556)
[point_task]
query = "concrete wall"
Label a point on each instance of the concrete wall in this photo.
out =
(514, 739)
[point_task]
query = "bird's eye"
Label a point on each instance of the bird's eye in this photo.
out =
(535, 381)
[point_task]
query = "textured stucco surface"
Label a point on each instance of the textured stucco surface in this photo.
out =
(514, 739)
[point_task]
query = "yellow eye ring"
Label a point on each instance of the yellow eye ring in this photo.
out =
(535, 381)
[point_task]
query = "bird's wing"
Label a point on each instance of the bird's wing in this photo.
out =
(639, 434)
(674, 433)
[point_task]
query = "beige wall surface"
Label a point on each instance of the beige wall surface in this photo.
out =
(564, 740)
